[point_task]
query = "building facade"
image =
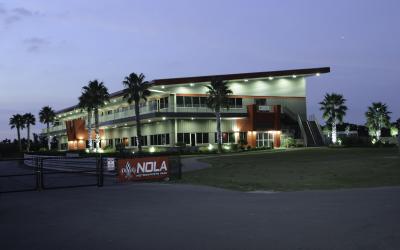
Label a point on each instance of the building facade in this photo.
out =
(265, 109)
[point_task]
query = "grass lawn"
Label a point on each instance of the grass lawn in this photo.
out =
(312, 168)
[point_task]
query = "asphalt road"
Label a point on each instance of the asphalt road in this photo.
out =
(169, 216)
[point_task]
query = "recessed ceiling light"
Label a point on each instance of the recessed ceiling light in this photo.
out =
(294, 76)
(192, 84)
(163, 87)
(246, 80)
(192, 118)
(270, 78)
(164, 118)
(149, 120)
(125, 124)
(318, 74)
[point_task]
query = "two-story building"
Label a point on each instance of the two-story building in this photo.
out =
(265, 108)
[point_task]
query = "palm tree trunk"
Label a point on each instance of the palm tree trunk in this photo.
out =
(28, 146)
(96, 124)
(219, 137)
(48, 137)
(334, 134)
(138, 127)
(19, 140)
(90, 130)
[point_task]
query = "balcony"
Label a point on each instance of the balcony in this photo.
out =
(55, 129)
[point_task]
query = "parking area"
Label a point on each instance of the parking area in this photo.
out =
(161, 215)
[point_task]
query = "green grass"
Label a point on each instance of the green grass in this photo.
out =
(318, 168)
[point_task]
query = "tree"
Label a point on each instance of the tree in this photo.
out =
(94, 95)
(334, 109)
(85, 103)
(47, 116)
(29, 120)
(217, 99)
(377, 118)
(136, 89)
(17, 121)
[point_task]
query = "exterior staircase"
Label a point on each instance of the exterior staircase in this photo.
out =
(311, 132)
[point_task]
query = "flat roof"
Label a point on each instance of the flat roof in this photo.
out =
(238, 76)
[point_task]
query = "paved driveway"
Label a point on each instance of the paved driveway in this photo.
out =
(166, 216)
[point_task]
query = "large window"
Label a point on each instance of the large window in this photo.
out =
(183, 138)
(191, 101)
(226, 138)
(261, 102)
(235, 102)
(160, 139)
(202, 138)
(117, 141)
(243, 136)
(265, 139)
(163, 102)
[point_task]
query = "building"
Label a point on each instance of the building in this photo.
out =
(265, 109)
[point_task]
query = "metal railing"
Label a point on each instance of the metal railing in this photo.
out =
(40, 173)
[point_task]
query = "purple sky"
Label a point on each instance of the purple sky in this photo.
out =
(50, 49)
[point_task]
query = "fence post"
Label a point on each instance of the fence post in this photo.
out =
(37, 173)
(40, 171)
(101, 171)
(179, 167)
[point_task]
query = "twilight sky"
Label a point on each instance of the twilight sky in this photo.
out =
(50, 49)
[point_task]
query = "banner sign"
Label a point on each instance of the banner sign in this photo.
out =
(143, 168)
(110, 164)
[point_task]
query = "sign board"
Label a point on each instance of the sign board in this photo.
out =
(143, 168)
(110, 164)
(264, 108)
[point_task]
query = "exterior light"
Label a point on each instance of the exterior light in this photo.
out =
(149, 120)
(246, 80)
(192, 118)
(152, 149)
(70, 113)
(270, 78)
(125, 124)
(294, 76)
(164, 118)
(163, 87)
(318, 74)
(210, 147)
(105, 103)
(114, 100)
(192, 84)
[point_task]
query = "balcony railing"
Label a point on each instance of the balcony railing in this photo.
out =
(55, 129)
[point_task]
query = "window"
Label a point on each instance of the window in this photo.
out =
(163, 102)
(109, 112)
(265, 139)
(196, 101)
(235, 102)
(188, 101)
(153, 105)
(202, 138)
(117, 141)
(179, 101)
(243, 136)
(134, 141)
(184, 138)
(203, 101)
(226, 138)
(160, 139)
(261, 102)
(110, 142)
(125, 141)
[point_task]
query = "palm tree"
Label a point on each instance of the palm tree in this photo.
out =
(218, 93)
(95, 95)
(29, 120)
(377, 118)
(334, 109)
(136, 89)
(17, 121)
(47, 116)
(85, 103)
